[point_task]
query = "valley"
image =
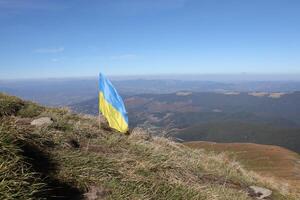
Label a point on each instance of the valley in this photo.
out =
(263, 118)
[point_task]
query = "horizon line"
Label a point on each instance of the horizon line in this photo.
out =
(162, 75)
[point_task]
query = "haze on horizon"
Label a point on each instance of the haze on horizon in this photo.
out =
(240, 77)
(53, 38)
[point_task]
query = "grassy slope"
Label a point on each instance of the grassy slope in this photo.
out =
(73, 156)
(268, 160)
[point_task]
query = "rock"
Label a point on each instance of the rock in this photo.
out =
(42, 121)
(260, 192)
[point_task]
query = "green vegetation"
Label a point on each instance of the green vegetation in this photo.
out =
(10, 105)
(17, 180)
(239, 131)
(72, 158)
(30, 110)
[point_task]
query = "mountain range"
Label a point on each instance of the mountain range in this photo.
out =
(62, 92)
(264, 118)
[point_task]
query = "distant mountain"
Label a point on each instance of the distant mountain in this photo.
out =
(265, 118)
(62, 92)
(264, 112)
(54, 92)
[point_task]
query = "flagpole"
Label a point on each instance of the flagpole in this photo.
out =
(99, 120)
(99, 113)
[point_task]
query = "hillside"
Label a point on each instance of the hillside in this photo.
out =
(246, 132)
(67, 156)
(261, 117)
(267, 160)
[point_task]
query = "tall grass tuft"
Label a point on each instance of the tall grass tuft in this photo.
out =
(17, 180)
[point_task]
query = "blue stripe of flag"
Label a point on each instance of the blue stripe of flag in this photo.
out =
(111, 96)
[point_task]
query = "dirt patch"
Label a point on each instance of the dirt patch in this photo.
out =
(96, 193)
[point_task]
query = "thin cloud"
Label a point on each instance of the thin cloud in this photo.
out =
(50, 50)
(124, 57)
(54, 60)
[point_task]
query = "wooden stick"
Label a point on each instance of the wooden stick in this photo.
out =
(99, 113)
(99, 119)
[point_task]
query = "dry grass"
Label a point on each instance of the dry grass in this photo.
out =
(274, 166)
(85, 158)
(17, 180)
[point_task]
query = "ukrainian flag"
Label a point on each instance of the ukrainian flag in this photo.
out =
(111, 105)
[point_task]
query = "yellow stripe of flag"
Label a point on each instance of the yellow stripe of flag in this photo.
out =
(111, 105)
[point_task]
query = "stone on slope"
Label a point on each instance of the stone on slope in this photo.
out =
(42, 121)
(261, 193)
(96, 193)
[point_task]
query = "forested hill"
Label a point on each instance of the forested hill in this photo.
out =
(258, 117)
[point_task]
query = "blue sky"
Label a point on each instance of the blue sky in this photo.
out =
(66, 38)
